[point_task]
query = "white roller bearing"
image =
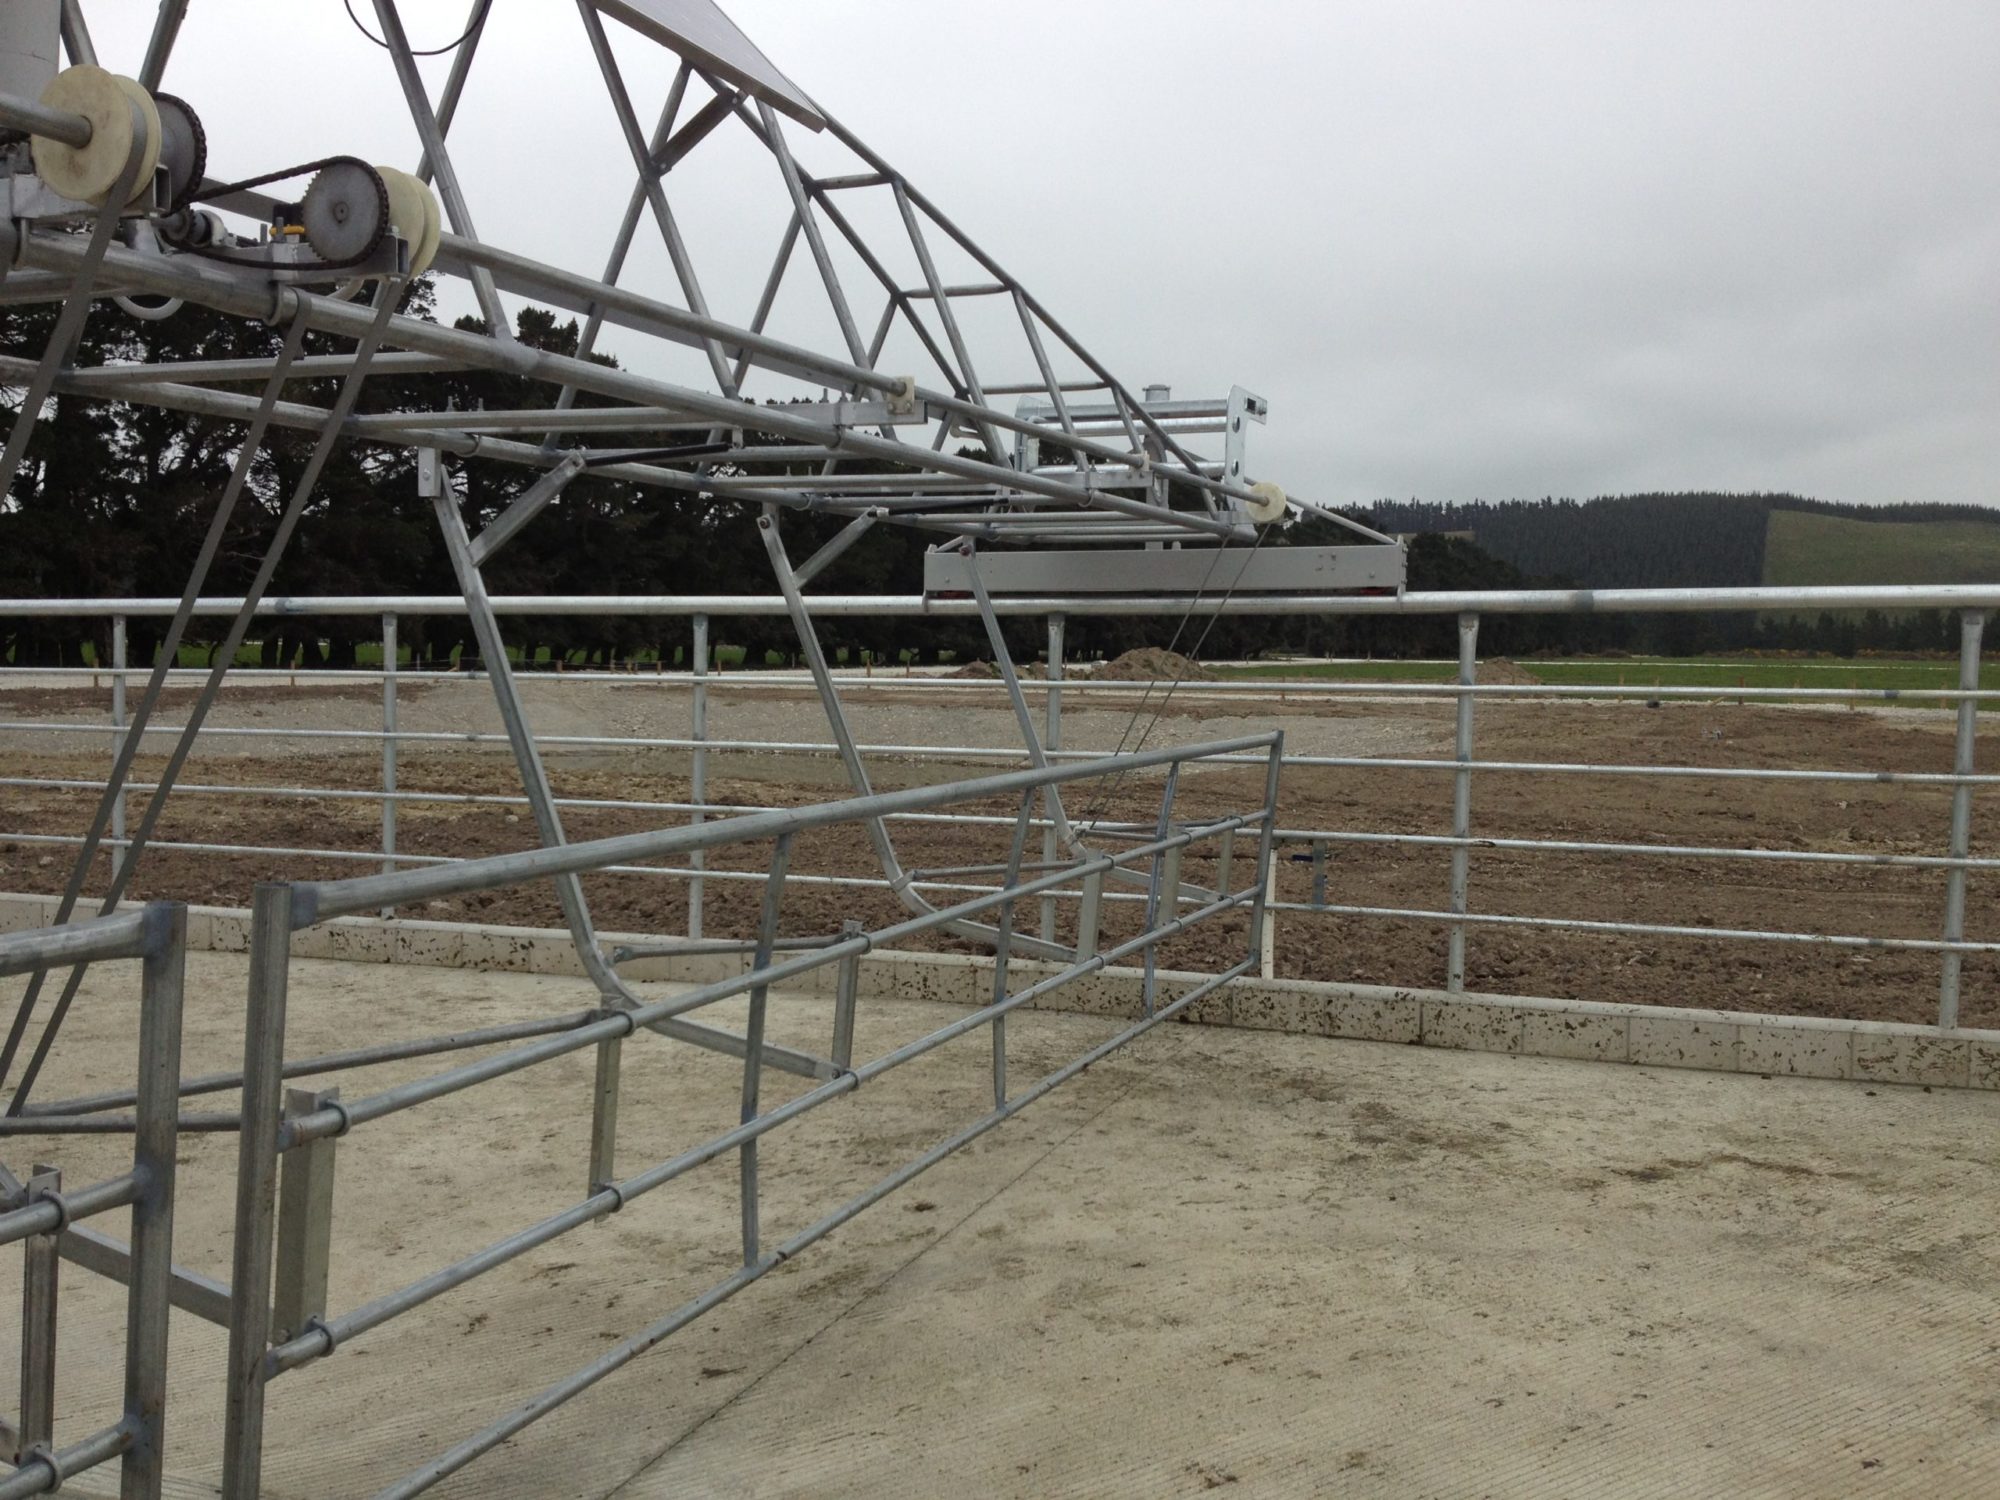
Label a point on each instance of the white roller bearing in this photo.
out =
(89, 173)
(1269, 505)
(413, 209)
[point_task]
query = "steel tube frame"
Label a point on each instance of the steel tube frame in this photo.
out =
(320, 900)
(314, 1343)
(698, 766)
(836, 716)
(157, 936)
(47, 252)
(339, 1330)
(659, 1013)
(1972, 628)
(781, 679)
(1461, 803)
(889, 606)
(390, 797)
(438, 160)
(1641, 929)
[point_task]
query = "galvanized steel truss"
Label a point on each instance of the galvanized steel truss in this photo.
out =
(1126, 475)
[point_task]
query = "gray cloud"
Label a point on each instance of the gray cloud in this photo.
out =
(1505, 249)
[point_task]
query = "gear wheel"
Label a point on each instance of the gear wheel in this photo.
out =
(345, 212)
(183, 149)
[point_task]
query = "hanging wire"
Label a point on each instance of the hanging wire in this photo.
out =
(478, 20)
(1090, 819)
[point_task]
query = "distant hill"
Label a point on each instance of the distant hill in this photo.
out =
(1699, 540)
(1807, 547)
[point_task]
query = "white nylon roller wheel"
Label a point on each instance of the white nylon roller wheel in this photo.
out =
(89, 173)
(1269, 505)
(414, 211)
(433, 230)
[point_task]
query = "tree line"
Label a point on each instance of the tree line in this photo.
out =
(112, 500)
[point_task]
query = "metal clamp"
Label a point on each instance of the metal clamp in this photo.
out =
(317, 1324)
(63, 1215)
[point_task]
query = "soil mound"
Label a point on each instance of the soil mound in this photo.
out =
(1506, 673)
(987, 671)
(1151, 664)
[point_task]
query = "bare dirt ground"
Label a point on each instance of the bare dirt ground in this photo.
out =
(1267, 1265)
(1797, 978)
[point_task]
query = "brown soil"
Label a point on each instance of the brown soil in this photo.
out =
(1152, 664)
(1499, 669)
(30, 703)
(1799, 978)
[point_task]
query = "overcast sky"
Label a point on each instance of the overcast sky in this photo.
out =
(1465, 251)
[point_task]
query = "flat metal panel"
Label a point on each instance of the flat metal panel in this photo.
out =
(1168, 570)
(701, 33)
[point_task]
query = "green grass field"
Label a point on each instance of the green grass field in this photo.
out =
(1801, 547)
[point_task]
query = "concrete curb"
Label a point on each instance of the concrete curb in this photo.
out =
(1654, 1036)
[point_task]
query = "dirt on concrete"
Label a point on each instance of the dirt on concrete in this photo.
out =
(1248, 1262)
(1864, 817)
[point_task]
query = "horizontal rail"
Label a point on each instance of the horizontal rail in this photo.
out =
(890, 680)
(375, 857)
(328, 1062)
(1636, 929)
(614, 1025)
(44, 1473)
(317, 901)
(1072, 758)
(128, 934)
(1442, 602)
(1668, 851)
(48, 1212)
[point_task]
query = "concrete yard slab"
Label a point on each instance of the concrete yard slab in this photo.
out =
(1223, 1259)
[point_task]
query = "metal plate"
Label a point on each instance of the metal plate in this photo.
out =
(1170, 570)
(701, 33)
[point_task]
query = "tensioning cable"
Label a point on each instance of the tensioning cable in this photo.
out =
(1187, 662)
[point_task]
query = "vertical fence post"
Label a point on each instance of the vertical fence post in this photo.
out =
(1089, 915)
(1319, 872)
(39, 1281)
(1264, 929)
(1052, 742)
(305, 1222)
(753, 1039)
(1003, 942)
(1155, 887)
(1971, 631)
(698, 777)
(604, 1116)
(1263, 921)
(846, 986)
(389, 653)
(1461, 799)
(256, 1191)
(118, 649)
(155, 1150)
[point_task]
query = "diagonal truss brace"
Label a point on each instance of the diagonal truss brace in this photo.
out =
(900, 880)
(616, 993)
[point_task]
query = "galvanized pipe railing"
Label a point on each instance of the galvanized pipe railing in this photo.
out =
(1465, 766)
(42, 1214)
(279, 1319)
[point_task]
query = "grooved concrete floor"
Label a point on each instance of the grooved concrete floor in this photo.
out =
(1249, 1261)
